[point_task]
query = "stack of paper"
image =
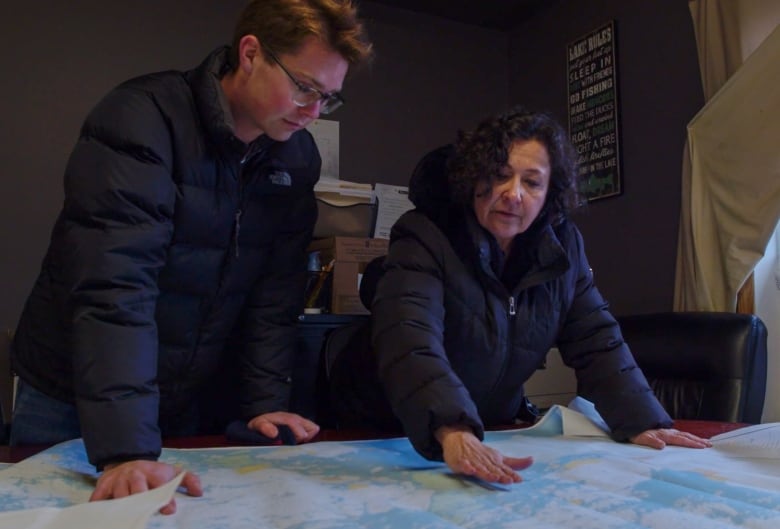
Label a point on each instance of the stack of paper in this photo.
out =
(338, 192)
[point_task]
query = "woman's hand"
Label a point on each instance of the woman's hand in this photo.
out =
(465, 454)
(669, 436)
(132, 477)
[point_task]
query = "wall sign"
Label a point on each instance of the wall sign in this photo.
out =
(594, 111)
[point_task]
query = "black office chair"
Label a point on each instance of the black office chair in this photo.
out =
(341, 337)
(354, 337)
(702, 365)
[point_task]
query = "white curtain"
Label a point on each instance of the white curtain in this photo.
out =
(731, 166)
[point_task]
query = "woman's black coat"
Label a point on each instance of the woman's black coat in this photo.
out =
(457, 328)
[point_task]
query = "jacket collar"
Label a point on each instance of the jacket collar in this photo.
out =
(212, 104)
(546, 260)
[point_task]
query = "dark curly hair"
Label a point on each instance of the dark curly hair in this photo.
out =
(481, 156)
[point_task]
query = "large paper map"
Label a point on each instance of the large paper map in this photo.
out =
(589, 483)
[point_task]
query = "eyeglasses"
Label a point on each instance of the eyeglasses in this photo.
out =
(305, 95)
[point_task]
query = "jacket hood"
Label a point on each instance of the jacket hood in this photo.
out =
(429, 188)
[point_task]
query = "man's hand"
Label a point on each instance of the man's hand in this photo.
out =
(465, 454)
(669, 436)
(123, 479)
(303, 429)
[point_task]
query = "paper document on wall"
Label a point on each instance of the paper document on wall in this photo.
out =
(392, 202)
(326, 136)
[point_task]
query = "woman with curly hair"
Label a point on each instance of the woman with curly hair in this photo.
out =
(481, 280)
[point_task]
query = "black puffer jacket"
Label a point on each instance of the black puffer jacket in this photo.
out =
(457, 333)
(174, 237)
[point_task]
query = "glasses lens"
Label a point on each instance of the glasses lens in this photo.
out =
(330, 104)
(305, 95)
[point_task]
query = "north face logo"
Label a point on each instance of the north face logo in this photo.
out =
(281, 178)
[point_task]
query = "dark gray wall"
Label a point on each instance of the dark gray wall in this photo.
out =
(430, 78)
(631, 239)
(59, 58)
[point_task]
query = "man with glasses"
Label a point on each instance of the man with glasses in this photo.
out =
(306, 95)
(179, 254)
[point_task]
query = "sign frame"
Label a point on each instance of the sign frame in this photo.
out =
(594, 111)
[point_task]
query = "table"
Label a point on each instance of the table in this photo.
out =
(583, 482)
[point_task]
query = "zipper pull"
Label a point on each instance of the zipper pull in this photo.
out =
(237, 230)
(512, 308)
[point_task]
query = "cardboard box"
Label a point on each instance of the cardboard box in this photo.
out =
(350, 256)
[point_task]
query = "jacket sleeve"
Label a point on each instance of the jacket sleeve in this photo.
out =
(269, 322)
(115, 229)
(607, 374)
(408, 337)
